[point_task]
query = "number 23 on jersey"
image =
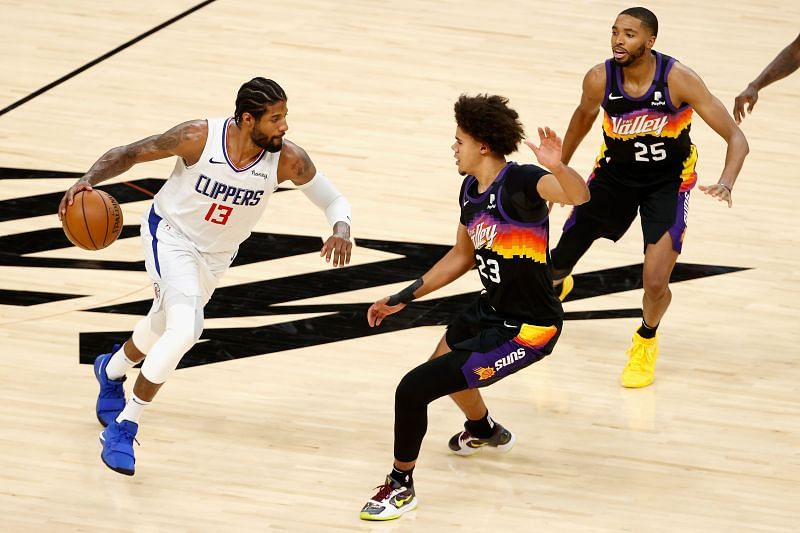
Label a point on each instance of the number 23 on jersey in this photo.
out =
(489, 269)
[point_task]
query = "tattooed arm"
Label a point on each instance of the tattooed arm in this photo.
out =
(295, 165)
(184, 140)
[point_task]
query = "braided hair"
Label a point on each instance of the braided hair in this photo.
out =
(254, 97)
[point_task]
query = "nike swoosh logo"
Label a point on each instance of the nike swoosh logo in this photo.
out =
(506, 324)
(211, 160)
(399, 502)
(465, 203)
(612, 97)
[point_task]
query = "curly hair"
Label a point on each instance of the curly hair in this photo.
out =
(489, 120)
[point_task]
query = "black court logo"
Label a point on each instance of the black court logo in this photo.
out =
(274, 297)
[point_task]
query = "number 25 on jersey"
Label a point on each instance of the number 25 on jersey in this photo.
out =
(657, 152)
(218, 213)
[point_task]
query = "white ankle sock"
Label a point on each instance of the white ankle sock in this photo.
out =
(119, 364)
(133, 409)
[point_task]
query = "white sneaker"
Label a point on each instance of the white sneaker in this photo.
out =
(390, 502)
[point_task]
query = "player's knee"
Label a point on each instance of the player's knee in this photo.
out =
(655, 287)
(147, 331)
(183, 338)
(410, 390)
(184, 318)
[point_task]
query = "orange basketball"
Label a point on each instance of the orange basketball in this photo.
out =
(93, 221)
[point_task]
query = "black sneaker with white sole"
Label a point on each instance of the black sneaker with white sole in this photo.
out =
(464, 443)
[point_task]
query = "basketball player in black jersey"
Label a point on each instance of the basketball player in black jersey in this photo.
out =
(646, 164)
(516, 320)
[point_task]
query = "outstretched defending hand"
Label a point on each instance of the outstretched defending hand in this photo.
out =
(749, 96)
(719, 191)
(70, 194)
(548, 153)
(380, 310)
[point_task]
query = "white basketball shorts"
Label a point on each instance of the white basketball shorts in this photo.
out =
(173, 262)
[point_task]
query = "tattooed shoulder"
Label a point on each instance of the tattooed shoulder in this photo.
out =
(301, 168)
(187, 132)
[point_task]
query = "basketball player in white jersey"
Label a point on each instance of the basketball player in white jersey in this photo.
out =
(226, 169)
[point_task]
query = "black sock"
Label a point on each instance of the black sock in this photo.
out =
(404, 477)
(646, 332)
(482, 429)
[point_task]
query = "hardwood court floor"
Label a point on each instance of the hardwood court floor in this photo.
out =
(294, 436)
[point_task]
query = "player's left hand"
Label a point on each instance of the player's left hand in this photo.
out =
(548, 153)
(718, 191)
(380, 310)
(339, 247)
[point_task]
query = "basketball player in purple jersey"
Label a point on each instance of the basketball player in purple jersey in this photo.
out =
(226, 169)
(646, 164)
(786, 62)
(516, 320)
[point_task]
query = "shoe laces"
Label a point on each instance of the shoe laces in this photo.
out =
(124, 434)
(640, 358)
(385, 490)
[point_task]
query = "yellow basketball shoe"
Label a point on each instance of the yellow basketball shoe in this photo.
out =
(641, 368)
(566, 287)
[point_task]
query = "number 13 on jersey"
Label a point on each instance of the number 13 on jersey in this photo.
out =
(218, 213)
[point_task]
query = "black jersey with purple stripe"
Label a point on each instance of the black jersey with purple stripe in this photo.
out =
(509, 228)
(646, 139)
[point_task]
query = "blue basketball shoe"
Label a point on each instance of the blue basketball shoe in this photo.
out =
(117, 440)
(111, 399)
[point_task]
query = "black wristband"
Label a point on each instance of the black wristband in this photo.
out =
(406, 295)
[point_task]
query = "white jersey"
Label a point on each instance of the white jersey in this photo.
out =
(213, 203)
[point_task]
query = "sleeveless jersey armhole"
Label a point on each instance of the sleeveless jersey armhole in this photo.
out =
(523, 181)
(211, 130)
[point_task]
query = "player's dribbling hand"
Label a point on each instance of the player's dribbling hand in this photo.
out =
(70, 194)
(548, 153)
(380, 310)
(749, 96)
(718, 191)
